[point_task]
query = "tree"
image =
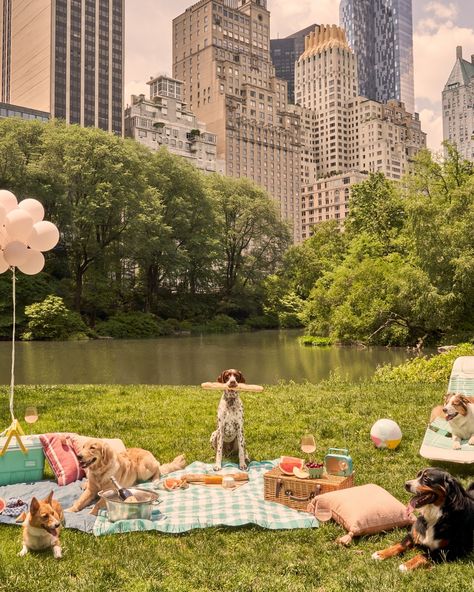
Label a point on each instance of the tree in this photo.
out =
(95, 183)
(251, 236)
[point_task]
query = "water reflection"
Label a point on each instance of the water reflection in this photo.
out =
(264, 357)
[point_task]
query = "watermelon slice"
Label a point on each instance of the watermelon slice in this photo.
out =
(2, 505)
(288, 463)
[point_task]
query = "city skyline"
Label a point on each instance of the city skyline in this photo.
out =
(439, 26)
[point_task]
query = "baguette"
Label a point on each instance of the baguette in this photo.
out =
(214, 479)
(218, 386)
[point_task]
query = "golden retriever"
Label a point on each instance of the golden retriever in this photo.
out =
(133, 466)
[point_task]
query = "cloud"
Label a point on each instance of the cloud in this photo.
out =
(442, 10)
(289, 17)
(435, 55)
(432, 124)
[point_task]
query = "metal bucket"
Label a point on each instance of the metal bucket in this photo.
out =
(117, 509)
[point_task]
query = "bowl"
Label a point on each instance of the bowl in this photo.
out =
(118, 509)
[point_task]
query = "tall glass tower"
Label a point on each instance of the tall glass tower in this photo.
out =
(380, 32)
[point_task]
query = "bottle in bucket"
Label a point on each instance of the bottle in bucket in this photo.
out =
(121, 491)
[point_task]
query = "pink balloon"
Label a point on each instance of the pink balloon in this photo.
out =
(3, 264)
(34, 262)
(19, 224)
(3, 215)
(8, 200)
(44, 236)
(15, 253)
(33, 207)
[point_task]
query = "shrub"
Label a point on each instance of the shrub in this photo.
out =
(132, 325)
(262, 322)
(424, 369)
(221, 323)
(51, 319)
(316, 341)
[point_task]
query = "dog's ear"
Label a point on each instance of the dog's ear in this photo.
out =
(220, 378)
(106, 453)
(34, 505)
(455, 492)
(49, 499)
(240, 377)
(465, 401)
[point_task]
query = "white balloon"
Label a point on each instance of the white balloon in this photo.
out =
(34, 262)
(33, 207)
(3, 215)
(19, 224)
(44, 236)
(15, 253)
(8, 200)
(3, 264)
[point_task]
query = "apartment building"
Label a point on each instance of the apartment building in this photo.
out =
(164, 120)
(65, 58)
(221, 51)
(458, 106)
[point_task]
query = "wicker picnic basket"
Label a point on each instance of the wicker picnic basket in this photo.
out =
(296, 493)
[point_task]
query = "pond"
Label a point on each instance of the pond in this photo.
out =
(264, 357)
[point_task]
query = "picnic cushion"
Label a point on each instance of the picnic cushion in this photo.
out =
(61, 450)
(61, 454)
(365, 509)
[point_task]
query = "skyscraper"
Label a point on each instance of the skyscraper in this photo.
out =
(64, 57)
(285, 52)
(458, 106)
(221, 51)
(381, 34)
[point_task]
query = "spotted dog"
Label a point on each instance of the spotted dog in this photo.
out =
(444, 530)
(229, 436)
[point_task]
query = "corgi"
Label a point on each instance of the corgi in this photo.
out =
(41, 526)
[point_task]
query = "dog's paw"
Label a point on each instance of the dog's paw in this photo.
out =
(243, 467)
(456, 446)
(377, 556)
(180, 462)
(57, 552)
(217, 467)
(471, 441)
(403, 568)
(23, 552)
(71, 509)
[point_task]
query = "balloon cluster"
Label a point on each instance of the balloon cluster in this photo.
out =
(24, 234)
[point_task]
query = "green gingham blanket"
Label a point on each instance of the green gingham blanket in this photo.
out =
(202, 507)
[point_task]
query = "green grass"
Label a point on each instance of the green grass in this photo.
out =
(170, 420)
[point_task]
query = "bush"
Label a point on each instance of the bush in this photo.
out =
(133, 325)
(316, 341)
(424, 369)
(262, 322)
(51, 319)
(221, 323)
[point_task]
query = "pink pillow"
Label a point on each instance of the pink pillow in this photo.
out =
(59, 450)
(365, 509)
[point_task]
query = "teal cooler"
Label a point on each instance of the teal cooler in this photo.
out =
(18, 467)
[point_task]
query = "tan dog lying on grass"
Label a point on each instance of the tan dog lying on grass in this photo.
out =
(133, 466)
(41, 526)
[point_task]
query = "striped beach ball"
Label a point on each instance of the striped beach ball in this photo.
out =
(386, 433)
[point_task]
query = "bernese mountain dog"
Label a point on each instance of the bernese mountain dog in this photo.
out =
(444, 529)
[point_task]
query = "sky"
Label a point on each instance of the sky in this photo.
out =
(439, 26)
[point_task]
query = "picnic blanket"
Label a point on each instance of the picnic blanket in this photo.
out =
(202, 507)
(437, 443)
(179, 511)
(66, 495)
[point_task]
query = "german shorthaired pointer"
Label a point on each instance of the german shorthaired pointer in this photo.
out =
(229, 436)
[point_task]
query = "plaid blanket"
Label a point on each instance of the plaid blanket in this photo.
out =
(202, 507)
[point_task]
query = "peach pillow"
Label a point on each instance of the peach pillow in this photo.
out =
(365, 509)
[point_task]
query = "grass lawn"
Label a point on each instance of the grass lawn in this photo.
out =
(171, 420)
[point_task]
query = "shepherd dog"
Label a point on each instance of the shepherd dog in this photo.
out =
(444, 529)
(42, 526)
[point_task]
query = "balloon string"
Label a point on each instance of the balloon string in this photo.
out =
(12, 382)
